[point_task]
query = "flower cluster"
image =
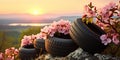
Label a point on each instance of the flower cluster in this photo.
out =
(10, 54)
(107, 18)
(28, 40)
(62, 26)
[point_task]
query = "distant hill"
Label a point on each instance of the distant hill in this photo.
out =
(6, 21)
(13, 28)
(71, 18)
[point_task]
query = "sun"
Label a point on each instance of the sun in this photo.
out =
(36, 12)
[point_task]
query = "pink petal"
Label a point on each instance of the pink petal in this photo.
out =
(103, 37)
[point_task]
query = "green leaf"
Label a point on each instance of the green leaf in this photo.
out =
(84, 19)
(87, 21)
(91, 20)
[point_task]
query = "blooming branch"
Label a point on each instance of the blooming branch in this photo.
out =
(107, 18)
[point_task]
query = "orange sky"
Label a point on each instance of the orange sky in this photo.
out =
(47, 6)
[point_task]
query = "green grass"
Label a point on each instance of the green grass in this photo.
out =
(12, 38)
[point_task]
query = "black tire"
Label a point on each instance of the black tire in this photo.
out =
(39, 44)
(59, 47)
(87, 36)
(27, 53)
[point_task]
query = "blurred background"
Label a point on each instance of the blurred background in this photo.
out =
(26, 17)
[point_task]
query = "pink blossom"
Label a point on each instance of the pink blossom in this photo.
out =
(38, 36)
(60, 29)
(108, 40)
(16, 51)
(105, 12)
(48, 30)
(26, 40)
(8, 51)
(33, 36)
(61, 26)
(104, 15)
(115, 39)
(86, 8)
(61, 22)
(112, 5)
(45, 29)
(105, 42)
(54, 24)
(100, 24)
(52, 29)
(43, 35)
(52, 34)
(105, 39)
(66, 32)
(1, 56)
(27, 37)
(101, 11)
(89, 11)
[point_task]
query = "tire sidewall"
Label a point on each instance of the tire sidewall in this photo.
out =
(59, 46)
(87, 39)
(27, 53)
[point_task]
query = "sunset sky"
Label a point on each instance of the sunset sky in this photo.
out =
(47, 6)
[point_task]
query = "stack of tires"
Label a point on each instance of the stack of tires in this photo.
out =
(87, 36)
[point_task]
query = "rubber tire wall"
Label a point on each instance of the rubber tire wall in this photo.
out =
(59, 47)
(39, 43)
(27, 54)
(87, 36)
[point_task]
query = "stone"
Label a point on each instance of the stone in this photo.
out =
(106, 57)
(79, 54)
(50, 57)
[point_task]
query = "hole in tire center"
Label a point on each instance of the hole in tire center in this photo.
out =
(29, 46)
(95, 29)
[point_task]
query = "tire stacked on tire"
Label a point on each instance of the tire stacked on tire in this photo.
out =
(59, 47)
(87, 36)
(27, 52)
